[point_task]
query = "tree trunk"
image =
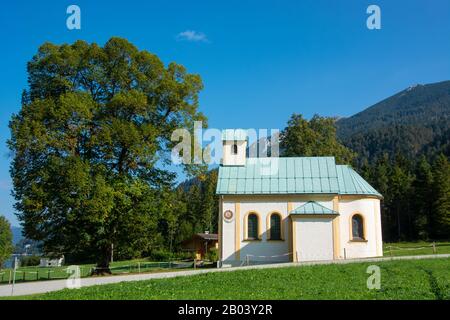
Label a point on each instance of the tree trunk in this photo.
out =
(102, 267)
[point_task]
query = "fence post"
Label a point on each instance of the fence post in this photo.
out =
(195, 263)
(345, 254)
(434, 247)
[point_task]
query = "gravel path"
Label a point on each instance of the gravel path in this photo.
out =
(55, 285)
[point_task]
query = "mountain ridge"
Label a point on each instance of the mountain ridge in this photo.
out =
(413, 121)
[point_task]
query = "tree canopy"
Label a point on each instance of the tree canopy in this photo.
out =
(316, 137)
(441, 199)
(90, 144)
(6, 236)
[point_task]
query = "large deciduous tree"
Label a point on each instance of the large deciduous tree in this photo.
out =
(90, 144)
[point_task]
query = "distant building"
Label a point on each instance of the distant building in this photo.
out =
(51, 262)
(200, 243)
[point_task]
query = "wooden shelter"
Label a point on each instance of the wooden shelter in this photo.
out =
(201, 243)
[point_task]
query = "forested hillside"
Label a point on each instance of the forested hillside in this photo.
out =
(414, 121)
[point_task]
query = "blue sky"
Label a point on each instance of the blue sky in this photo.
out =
(260, 60)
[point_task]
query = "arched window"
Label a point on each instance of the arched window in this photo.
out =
(252, 227)
(275, 227)
(234, 149)
(357, 227)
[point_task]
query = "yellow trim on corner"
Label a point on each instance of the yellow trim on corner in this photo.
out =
(237, 236)
(290, 205)
(291, 237)
(336, 231)
(294, 241)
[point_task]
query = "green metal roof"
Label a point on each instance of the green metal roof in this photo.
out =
(280, 176)
(313, 207)
(350, 182)
(234, 134)
(291, 175)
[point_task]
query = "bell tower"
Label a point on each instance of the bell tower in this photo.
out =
(234, 142)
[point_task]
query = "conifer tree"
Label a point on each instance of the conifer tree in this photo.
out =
(441, 203)
(422, 197)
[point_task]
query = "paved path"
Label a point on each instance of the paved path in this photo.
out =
(55, 285)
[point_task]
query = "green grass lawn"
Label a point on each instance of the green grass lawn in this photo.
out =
(119, 267)
(414, 248)
(406, 279)
(144, 265)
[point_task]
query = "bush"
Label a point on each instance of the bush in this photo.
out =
(30, 261)
(161, 255)
(212, 255)
(185, 255)
(165, 255)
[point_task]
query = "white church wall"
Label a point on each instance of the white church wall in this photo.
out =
(369, 210)
(314, 238)
(264, 249)
(228, 233)
(378, 227)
